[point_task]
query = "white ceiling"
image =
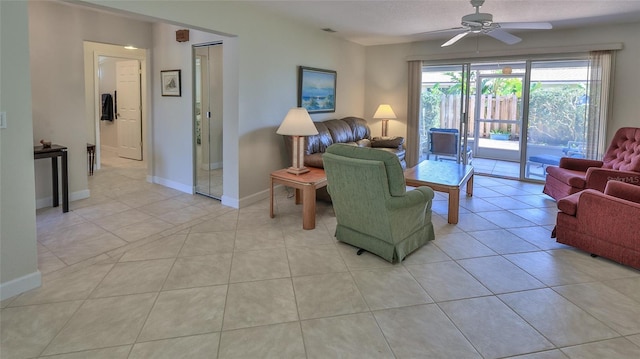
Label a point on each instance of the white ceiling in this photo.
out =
(386, 22)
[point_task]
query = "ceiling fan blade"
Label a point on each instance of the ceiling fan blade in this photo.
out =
(455, 39)
(453, 29)
(526, 25)
(504, 36)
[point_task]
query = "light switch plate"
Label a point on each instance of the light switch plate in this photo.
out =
(3, 119)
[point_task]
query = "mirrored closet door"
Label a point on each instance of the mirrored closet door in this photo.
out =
(207, 112)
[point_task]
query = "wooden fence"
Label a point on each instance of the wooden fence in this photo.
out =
(491, 108)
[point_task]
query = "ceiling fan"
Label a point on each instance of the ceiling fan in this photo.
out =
(482, 23)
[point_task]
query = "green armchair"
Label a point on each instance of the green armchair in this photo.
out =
(372, 206)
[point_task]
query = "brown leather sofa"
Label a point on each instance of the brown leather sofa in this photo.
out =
(350, 130)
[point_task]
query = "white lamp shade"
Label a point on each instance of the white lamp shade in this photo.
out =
(297, 123)
(384, 111)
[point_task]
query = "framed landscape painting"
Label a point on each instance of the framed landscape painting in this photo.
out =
(316, 89)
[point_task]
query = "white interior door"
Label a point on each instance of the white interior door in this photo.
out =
(128, 112)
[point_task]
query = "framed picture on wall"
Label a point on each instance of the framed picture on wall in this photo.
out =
(316, 89)
(170, 80)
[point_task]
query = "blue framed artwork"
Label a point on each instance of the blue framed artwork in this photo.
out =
(316, 89)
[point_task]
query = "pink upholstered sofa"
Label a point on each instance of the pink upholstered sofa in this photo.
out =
(604, 224)
(621, 162)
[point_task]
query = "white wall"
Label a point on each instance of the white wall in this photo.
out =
(18, 256)
(173, 116)
(56, 35)
(268, 50)
(386, 69)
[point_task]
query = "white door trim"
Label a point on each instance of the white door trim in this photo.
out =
(97, 50)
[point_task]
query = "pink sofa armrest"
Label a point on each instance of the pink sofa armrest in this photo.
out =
(578, 164)
(569, 204)
(597, 178)
(623, 190)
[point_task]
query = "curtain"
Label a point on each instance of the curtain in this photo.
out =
(600, 85)
(413, 113)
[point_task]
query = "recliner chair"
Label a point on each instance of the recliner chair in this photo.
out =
(604, 224)
(621, 162)
(373, 209)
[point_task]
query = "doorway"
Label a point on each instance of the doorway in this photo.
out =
(207, 119)
(497, 117)
(100, 62)
(120, 128)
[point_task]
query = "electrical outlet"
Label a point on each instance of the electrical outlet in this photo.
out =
(3, 119)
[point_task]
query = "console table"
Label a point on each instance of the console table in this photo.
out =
(54, 152)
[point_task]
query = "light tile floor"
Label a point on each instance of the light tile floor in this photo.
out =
(142, 271)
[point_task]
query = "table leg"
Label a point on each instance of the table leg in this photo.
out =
(271, 201)
(299, 198)
(54, 181)
(454, 205)
(308, 207)
(65, 183)
(470, 186)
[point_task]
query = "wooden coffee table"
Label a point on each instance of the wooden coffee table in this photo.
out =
(305, 185)
(443, 177)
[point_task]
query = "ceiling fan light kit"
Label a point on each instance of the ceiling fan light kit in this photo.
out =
(482, 23)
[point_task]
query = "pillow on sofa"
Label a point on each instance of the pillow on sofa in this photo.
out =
(388, 142)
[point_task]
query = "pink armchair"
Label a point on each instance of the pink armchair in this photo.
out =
(604, 224)
(621, 162)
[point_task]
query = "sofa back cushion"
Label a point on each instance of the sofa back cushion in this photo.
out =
(359, 127)
(319, 142)
(340, 131)
(624, 152)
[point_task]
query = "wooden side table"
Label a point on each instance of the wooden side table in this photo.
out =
(305, 185)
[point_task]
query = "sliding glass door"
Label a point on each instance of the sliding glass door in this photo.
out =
(557, 113)
(514, 118)
(443, 125)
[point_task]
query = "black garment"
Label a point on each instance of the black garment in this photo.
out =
(107, 107)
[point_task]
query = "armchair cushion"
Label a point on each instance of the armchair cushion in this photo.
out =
(597, 178)
(623, 191)
(624, 152)
(373, 209)
(573, 178)
(578, 164)
(394, 172)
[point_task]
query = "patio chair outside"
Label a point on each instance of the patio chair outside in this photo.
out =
(444, 143)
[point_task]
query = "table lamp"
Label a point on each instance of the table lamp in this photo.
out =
(385, 112)
(297, 124)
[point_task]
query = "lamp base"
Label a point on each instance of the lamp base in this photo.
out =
(385, 127)
(297, 170)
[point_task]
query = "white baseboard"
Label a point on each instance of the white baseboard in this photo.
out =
(229, 202)
(256, 197)
(172, 184)
(20, 285)
(74, 196)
